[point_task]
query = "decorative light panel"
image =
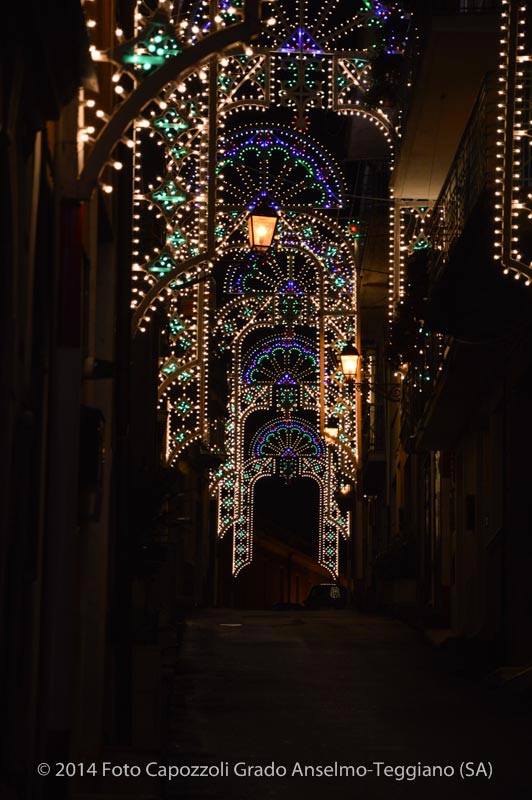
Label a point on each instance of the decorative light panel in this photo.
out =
(410, 222)
(311, 48)
(513, 195)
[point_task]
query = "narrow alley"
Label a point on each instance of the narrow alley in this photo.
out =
(266, 347)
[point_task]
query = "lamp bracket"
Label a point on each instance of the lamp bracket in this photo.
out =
(389, 391)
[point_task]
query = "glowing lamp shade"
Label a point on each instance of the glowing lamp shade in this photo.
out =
(332, 428)
(350, 358)
(261, 227)
(345, 497)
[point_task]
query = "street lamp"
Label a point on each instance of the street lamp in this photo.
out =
(262, 222)
(345, 496)
(350, 359)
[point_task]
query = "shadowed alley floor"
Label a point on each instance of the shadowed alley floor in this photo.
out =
(326, 687)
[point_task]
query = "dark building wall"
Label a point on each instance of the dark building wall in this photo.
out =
(468, 508)
(40, 298)
(517, 545)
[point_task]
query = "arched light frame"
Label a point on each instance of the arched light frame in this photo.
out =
(158, 290)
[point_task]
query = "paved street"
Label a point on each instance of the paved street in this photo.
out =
(326, 688)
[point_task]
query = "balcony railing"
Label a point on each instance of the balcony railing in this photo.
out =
(471, 175)
(472, 170)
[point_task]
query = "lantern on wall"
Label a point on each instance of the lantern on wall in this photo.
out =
(350, 358)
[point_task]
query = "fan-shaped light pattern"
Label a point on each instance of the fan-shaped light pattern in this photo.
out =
(250, 271)
(282, 361)
(282, 165)
(287, 438)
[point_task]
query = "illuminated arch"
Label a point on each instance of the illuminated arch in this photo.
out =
(332, 525)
